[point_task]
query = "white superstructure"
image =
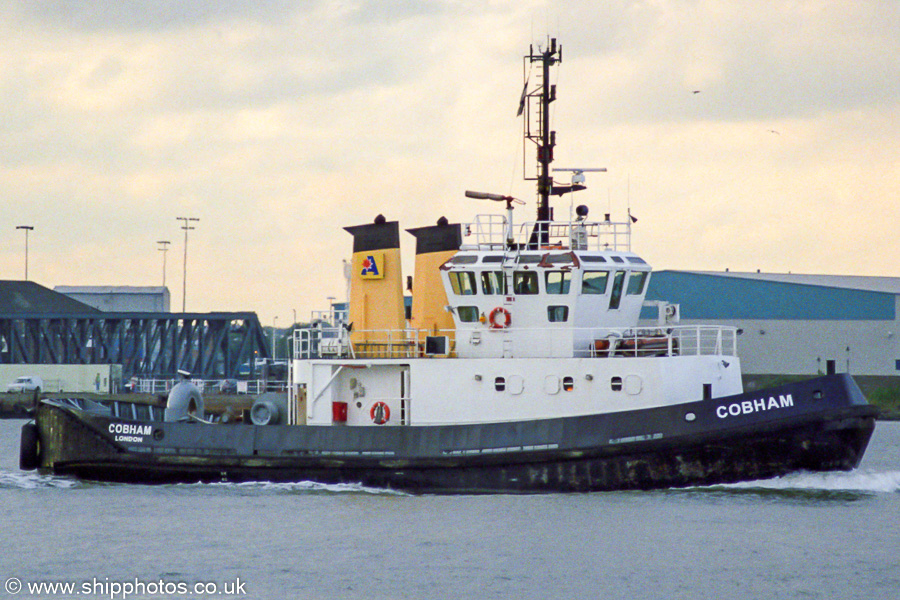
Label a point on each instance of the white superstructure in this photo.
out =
(538, 331)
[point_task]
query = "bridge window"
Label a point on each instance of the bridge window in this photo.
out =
(594, 282)
(464, 259)
(493, 282)
(525, 282)
(558, 314)
(636, 282)
(529, 259)
(558, 282)
(463, 283)
(467, 314)
(616, 296)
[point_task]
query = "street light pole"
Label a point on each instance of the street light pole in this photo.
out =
(187, 227)
(274, 352)
(27, 228)
(164, 248)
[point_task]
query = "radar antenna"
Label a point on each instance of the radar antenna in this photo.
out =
(577, 181)
(509, 209)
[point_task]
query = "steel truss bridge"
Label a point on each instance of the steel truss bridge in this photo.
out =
(147, 345)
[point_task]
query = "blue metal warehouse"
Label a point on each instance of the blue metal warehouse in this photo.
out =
(792, 324)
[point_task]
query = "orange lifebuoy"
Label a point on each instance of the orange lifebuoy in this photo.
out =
(380, 413)
(507, 318)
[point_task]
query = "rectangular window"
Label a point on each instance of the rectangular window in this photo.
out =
(467, 314)
(463, 283)
(636, 283)
(557, 314)
(557, 282)
(493, 282)
(616, 296)
(464, 259)
(525, 282)
(594, 282)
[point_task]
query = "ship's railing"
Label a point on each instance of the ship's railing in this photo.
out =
(491, 232)
(681, 340)
(208, 386)
(337, 342)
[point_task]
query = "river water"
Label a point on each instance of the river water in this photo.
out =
(807, 536)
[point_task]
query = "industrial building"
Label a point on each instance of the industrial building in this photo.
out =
(792, 324)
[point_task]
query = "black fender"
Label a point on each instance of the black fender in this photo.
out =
(29, 448)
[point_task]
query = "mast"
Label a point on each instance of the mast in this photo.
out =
(539, 99)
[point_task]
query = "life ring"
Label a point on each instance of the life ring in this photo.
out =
(380, 413)
(507, 318)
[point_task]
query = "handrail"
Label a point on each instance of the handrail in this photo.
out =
(490, 231)
(679, 340)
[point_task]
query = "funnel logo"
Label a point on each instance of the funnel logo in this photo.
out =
(372, 266)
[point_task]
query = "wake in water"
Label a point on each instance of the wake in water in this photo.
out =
(309, 487)
(853, 481)
(29, 480)
(804, 486)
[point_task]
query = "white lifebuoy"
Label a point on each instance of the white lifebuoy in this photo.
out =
(495, 324)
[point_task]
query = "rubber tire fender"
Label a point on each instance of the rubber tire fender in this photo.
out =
(29, 448)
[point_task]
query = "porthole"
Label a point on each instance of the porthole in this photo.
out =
(499, 384)
(616, 384)
(690, 417)
(568, 383)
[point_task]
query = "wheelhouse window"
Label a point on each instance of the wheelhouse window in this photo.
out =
(557, 314)
(558, 282)
(525, 282)
(594, 282)
(636, 283)
(463, 283)
(467, 314)
(615, 298)
(493, 282)
(464, 259)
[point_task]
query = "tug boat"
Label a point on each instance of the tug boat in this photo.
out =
(524, 365)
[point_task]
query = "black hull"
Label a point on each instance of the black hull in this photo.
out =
(826, 426)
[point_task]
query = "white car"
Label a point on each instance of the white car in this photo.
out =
(28, 383)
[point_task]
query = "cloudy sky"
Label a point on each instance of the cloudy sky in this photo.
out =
(278, 123)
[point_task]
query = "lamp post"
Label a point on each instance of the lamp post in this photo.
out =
(186, 225)
(274, 352)
(164, 248)
(26, 228)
